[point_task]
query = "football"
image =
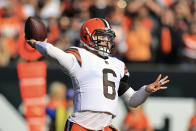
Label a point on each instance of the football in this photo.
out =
(35, 29)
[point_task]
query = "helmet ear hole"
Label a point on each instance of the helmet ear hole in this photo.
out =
(88, 37)
(85, 37)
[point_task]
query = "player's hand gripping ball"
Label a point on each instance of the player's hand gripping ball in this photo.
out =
(35, 29)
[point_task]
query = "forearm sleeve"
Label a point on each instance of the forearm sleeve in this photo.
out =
(135, 98)
(57, 55)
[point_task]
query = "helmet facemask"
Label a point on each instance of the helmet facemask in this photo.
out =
(103, 41)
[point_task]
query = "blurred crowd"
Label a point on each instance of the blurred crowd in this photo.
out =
(59, 105)
(148, 31)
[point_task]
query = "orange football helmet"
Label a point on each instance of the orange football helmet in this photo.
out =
(91, 32)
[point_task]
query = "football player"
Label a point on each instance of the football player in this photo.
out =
(97, 77)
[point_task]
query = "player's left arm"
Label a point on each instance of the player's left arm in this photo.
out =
(135, 98)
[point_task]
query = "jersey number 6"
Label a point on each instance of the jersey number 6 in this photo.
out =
(108, 84)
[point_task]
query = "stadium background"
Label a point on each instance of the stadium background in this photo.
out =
(168, 110)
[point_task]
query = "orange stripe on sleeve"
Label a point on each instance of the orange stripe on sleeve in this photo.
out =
(76, 53)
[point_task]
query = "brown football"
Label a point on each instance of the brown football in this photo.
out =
(35, 29)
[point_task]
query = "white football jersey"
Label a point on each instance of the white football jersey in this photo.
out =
(95, 81)
(97, 84)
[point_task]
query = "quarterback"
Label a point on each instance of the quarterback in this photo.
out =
(97, 77)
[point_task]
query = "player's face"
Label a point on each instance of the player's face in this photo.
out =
(104, 42)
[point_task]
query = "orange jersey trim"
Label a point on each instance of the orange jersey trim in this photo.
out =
(70, 126)
(125, 69)
(76, 53)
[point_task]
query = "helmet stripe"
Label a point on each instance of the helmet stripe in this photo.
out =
(107, 25)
